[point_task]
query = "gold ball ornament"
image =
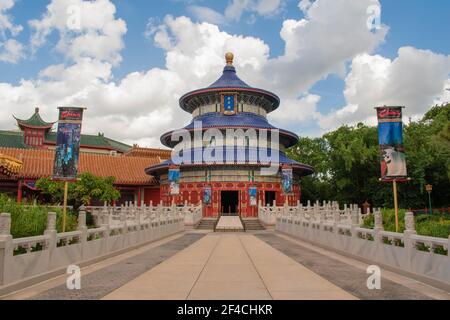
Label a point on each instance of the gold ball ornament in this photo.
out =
(229, 57)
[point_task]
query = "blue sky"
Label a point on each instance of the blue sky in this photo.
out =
(419, 24)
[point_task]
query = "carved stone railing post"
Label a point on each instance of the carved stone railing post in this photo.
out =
(410, 229)
(6, 247)
(410, 225)
(448, 249)
(51, 232)
(378, 220)
(83, 228)
(137, 212)
(106, 222)
(378, 226)
(104, 217)
(123, 219)
(336, 220)
(354, 222)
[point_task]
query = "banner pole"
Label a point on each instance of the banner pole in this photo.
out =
(66, 189)
(394, 183)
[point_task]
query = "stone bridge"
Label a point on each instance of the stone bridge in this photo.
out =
(316, 251)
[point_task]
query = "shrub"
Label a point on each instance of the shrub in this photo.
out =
(388, 220)
(434, 228)
(435, 225)
(28, 221)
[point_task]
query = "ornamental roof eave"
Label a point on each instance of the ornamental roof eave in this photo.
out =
(302, 169)
(183, 102)
(289, 138)
(10, 166)
(34, 122)
(250, 160)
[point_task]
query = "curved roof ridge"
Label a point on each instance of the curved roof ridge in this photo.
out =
(230, 79)
(34, 121)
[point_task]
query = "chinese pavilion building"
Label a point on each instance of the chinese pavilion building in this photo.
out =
(27, 154)
(38, 134)
(229, 187)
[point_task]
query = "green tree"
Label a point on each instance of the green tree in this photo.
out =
(314, 151)
(81, 192)
(347, 164)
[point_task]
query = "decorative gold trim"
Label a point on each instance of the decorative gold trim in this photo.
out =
(9, 165)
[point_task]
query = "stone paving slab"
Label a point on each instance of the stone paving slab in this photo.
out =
(229, 223)
(351, 279)
(287, 279)
(98, 284)
(229, 266)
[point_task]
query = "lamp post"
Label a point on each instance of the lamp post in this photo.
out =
(429, 188)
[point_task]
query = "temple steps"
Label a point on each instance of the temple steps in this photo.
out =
(252, 224)
(206, 224)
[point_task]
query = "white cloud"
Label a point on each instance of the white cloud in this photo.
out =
(86, 29)
(11, 51)
(143, 105)
(415, 79)
(304, 5)
(6, 23)
(205, 14)
(235, 10)
(333, 32)
(294, 111)
(146, 103)
(153, 25)
(268, 7)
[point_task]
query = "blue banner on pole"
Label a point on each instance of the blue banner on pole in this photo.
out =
(207, 195)
(286, 180)
(67, 151)
(390, 136)
(174, 180)
(252, 192)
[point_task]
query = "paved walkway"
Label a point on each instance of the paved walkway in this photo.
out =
(230, 266)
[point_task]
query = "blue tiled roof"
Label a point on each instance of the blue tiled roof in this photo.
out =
(242, 119)
(230, 79)
(251, 156)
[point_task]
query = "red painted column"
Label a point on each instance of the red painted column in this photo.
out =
(139, 196)
(19, 192)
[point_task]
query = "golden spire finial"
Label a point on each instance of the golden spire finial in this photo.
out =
(229, 58)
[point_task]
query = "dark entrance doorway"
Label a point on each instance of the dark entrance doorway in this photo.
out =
(229, 202)
(269, 197)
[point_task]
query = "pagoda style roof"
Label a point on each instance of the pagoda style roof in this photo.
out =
(229, 81)
(137, 151)
(300, 168)
(38, 163)
(12, 139)
(97, 141)
(34, 122)
(15, 139)
(244, 120)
